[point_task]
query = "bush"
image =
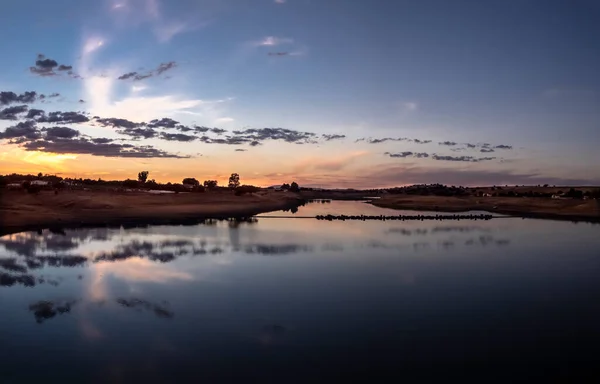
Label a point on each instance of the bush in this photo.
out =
(34, 189)
(241, 190)
(130, 183)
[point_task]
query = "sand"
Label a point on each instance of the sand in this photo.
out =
(20, 211)
(536, 207)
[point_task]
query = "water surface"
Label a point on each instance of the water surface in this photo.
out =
(299, 300)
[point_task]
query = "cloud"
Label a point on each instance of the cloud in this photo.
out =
(136, 76)
(470, 159)
(164, 33)
(138, 133)
(486, 150)
(272, 41)
(7, 98)
(12, 113)
(63, 117)
(280, 1)
(240, 150)
(410, 106)
(418, 155)
(502, 146)
(224, 120)
(177, 137)
(46, 67)
(417, 141)
(448, 143)
(165, 122)
(33, 113)
(400, 155)
(333, 137)
(118, 123)
(283, 134)
(24, 130)
(60, 133)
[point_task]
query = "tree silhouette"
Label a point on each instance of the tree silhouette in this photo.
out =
(210, 184)
(234, 181)
(190, 181)
(143, 176)
(294, 187)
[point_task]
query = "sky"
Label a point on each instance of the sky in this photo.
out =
(328, 93)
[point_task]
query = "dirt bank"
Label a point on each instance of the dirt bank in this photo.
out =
(567, 209)
(20, 211)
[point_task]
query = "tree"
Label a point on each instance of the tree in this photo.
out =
(39, 175)
(294, 187)
(234, 181)
(210, 184)
(285, 186)
(143, 176)
(190, 181)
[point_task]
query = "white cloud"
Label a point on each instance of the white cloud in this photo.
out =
(271, 41)
(410, 106)
(224, 120)
(165, 33)
(138, 88)
(145, 108)
(280, 1)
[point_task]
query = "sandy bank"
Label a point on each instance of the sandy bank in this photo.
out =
(568, 209)
(20, 211)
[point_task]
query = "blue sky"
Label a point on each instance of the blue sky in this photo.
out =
(517, 73)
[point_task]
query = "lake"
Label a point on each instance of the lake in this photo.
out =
(300, 300)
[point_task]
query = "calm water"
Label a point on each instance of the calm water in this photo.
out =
(301, 300)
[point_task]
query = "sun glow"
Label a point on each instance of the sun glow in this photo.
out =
(42, 158)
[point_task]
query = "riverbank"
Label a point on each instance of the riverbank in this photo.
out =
(20, 211)
(543, 208)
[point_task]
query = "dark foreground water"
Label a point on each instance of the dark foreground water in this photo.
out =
(301, 300)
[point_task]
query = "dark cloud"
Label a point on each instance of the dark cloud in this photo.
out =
(7, 98)
(33, 113)
(101, 140)
(333, 137)
(12, 113)
(165, 122)
(126, 76)
(283, 134)
(278, 53)
(486, 150)
(60, 133)
(240, 150)
(118, 123)
(64, 117)
(199, 129)
(163, 67)
(218, 131)
(52, 95)
(399, 155)
(46, 67)
(176, 137)
(138, 133)
(417, 141)
(24, 130)
(471, 145)
(86, 146)
(137, 76)
(81, 101)
(406, 154)
(502, 146)
(470, 159)
(448, 143)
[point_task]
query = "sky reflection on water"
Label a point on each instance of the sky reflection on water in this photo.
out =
(282, 296)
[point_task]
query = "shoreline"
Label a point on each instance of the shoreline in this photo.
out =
(22, 212)
(532, 208)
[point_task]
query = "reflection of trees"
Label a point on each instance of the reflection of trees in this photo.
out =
(45, 309)
(277, 249)
(139, 304)
(434, 230)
